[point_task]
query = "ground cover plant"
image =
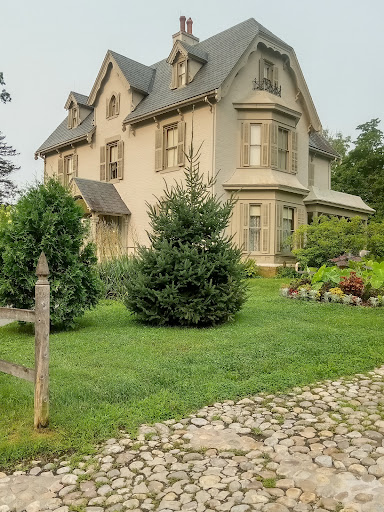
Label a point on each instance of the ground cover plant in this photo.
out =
(46, 218)
(360, 284)
(113, 373)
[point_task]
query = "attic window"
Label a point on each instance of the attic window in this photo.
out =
(181, 73)
(113, 105)
(73, 117)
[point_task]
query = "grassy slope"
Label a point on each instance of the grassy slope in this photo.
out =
(113, 373)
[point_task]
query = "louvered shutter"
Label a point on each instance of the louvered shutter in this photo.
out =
(158, 149)
(107, 108)
(279, 227)
(300, 216)
(244, 226)
(261, 69)
(174, 76)
(311, 174)
(180, 143)
(274, 148)
(117, 104)
(102, 163)
(60, 171)
(275, 76)
(69, 119)
(294, 142)
(120, 159)
(75, 165)
(265, 145)
(265, 221)
(245, 132)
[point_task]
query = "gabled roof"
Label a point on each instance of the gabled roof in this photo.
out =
(80, 98)
(318, 143)
(63, 135)
(195, 52)
(101, 197)
(338, 199)
(223, 51)
(138, 75)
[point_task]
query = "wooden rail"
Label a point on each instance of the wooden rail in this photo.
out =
(40, 317)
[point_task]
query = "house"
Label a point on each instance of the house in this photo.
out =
(243, 93)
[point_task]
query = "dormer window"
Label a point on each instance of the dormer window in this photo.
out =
(73, 117)
(181, 73)
(113, 105)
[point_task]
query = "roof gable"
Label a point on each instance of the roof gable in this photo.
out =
(79, 99)
(318, 143)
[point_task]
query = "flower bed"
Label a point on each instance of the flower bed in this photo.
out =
(360, 285)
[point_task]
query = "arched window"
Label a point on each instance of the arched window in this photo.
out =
(112, 106)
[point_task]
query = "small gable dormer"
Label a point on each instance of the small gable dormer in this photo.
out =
(77, 108)
(185, 58)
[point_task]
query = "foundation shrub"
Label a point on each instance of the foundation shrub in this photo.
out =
(352, 285)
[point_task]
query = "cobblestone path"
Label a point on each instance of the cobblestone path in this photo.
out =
(318, 448)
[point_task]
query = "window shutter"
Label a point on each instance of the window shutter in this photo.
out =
(174, 76)
(60, 171)
(107, 107)
(294, 137)
(244, 226)
(279, 226)
(120, 159)
(117, 104)
(180, 143)
(245, 132)
(158, 149)
(261, 69)
(311, 174)
(265, 145)
(274, 150)
(102, 163)
(69, 119)
(300, 216)
(75, 166)
(275, 76)
(265, 220)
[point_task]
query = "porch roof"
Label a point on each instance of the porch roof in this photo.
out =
(338, 199)
(101, 197)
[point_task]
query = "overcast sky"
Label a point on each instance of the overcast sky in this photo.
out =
(49, 48)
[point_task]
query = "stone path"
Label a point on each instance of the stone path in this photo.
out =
(318, 448)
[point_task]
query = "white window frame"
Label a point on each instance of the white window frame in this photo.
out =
(68, 168)
(252, 145)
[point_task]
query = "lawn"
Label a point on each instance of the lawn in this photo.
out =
(112, 373)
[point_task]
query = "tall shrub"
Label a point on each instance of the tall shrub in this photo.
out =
(315, 244)
(47, 219)
(191, 275)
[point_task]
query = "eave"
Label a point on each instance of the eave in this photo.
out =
(56, 147)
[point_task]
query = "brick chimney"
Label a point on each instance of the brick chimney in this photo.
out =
(185, 36)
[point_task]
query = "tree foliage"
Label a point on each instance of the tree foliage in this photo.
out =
(191, 275)
(46, 218)
(361, 171)
(340, 143)
(8, 189)
(315, 244)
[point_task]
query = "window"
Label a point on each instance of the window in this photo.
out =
(288, 222)
(171, 146)
(268, 71)
(283, 152)
(112, 160)
(112, 106)
(181, 73)
(255, 145)
(254, 227)
(68, 169)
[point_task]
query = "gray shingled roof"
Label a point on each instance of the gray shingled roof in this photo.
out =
(63, 134)
(138, 75)
(195, 51)
(338, 199)
(101, 197)
(224, 51)
(80, 98)
(318, 143)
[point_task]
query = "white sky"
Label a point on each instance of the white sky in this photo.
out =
(49, 48)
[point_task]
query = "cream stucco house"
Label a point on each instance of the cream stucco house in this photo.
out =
(245, 94)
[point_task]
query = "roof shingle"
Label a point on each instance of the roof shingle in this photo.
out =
(101, 197)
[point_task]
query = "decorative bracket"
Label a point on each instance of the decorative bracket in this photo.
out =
(180, 114)
(156, 121)
(132, 130)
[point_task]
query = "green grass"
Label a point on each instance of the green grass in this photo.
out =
(112, 373)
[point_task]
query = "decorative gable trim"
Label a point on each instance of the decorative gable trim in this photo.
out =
(177, 48)
(108, 61)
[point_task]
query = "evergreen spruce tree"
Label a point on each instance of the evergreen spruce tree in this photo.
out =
(47, 219)
(191, 275)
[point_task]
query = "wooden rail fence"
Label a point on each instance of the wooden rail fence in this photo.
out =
(40, 317)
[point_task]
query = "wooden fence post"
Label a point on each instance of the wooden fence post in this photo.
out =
(42, 321)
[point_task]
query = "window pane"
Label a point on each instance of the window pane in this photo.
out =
(113, 154)
(255, 134)
(171, 157)
(254, 155)
(254, 210)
